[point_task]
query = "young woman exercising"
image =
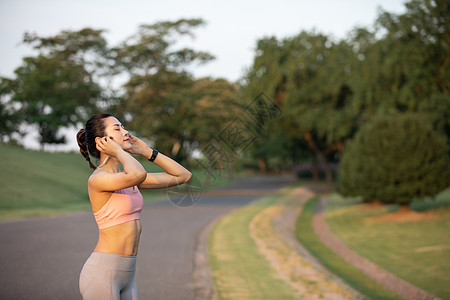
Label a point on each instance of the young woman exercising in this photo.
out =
(116, 203)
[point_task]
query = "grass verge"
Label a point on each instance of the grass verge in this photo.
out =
(333, 262)
(238, 269)
(35, 183)
(414, 250)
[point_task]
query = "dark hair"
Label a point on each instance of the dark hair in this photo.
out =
(95, 127)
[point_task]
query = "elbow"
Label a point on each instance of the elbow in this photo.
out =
(186, 176)
(140, 176)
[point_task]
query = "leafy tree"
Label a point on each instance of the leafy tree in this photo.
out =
(162, 99)
(57, 88)
(9, 119)
(419, 41)
(395, 158)
(212, 104)
(53, 94)
(307, 77)
(150, 50)
(86, 47)
(187, 116)
(405, 69)
(327, 88)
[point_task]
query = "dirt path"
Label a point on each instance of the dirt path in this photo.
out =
(273, 230)
(385, 278)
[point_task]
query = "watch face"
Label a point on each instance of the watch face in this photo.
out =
(154, 154)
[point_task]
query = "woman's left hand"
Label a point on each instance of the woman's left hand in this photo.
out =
(137, 145)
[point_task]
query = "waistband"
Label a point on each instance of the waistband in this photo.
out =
(112, 261)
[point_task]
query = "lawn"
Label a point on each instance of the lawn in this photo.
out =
(238, 268)
(35, 183)
(415, 248)
(415, 251)
(348, 273)
(39, 183)
(240, 271)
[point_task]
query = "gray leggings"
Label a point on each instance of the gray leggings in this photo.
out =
(108, 276)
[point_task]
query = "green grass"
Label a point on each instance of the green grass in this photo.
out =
(38, 183)
(334, 263)
(238, 269)
(35, 183)
(416, 251)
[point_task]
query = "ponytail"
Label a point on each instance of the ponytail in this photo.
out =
(81, 139)
(95, 127)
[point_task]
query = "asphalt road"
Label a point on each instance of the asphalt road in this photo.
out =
(42, 258)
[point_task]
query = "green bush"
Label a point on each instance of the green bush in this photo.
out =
(394, 159)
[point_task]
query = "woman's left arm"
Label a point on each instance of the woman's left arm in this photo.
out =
(175, 173)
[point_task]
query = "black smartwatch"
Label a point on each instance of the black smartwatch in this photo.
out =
(154, 154)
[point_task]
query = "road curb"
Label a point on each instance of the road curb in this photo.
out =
(204, 286)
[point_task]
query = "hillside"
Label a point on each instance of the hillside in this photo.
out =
(35, 183)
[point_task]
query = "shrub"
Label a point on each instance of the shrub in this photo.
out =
(394, 159)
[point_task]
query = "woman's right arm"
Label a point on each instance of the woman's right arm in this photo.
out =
(133, 174)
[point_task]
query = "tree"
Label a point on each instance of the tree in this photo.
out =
(161, 97)
(307, 77)
(419, 40)
(53, 94)
(403, 64)
(57, 88)
(394, 159)
(9, 119)
(328, 88)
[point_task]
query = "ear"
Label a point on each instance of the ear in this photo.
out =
(97, 139)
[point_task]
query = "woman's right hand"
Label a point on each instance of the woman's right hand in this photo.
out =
(108, 146)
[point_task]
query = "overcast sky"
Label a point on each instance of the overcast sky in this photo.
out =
(233, 26)
(231, 32)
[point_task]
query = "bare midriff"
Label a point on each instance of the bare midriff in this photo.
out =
(120, 239)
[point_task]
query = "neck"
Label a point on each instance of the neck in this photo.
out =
(112, 164)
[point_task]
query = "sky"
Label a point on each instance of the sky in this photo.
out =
(230, 34)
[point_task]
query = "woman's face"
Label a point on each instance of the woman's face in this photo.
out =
(115, 129)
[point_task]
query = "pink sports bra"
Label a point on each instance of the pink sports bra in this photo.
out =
(123, 206)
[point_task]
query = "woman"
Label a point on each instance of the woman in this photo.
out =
(116, 202)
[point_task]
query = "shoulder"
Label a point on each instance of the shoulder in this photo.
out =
(105, 181)
(97, 177)
(96, 173)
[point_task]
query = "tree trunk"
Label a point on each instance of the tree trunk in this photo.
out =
(176, 147)
(314, 166)
(41, 143)
(262, 164)
(321, 155)
(326, 167)
(41, 137)
(314, 154)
